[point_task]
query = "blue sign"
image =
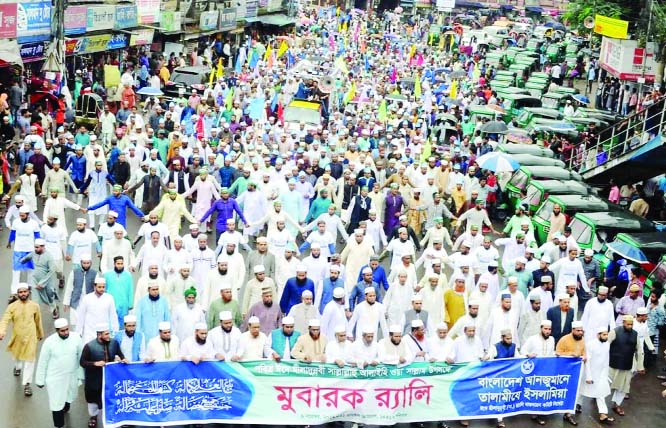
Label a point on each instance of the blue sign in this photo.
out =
(33, 22)
(118, 41)
(172, 391)
(32, 51)
(126, 17)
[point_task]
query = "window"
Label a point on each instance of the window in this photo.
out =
(580, 231)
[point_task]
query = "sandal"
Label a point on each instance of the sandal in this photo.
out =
(27, 390)
(92, 422)
(539, 420)
(501, 424)
(607, 420)
(570, 419)
(619, 410)
(464, 423)
(17, 372)
(579, 408)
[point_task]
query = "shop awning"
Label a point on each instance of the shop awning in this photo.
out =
(471, 4)
(10, 53)
(277, 19)
(534, 9)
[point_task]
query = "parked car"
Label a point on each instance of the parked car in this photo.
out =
(187, 78)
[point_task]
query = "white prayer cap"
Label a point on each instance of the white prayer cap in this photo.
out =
(262, 240)
(642, 311)
(417, 323)
(512, 280)
(602, 290)
(602, 330)
(546, 323)
(24, 210)
(459, 277)
(563, 296)
(521, 260)
(492, 263)
(253, 320)
(194, 226)
(368, 290)
(164, 325)
(39, 242)
(19, 198)
(301, 268)
(314, 323)
(225, 286)
(222, 258)
(577, 324)
(334, 268)
(474, 302)
(360, 232)
(86, 257)
(102, 326)
(81, 220)
(340, 328)
(315, 246)
(306, 293)
(546, 278)
(395, 328)
(60, 322)
(368, 329)
(571, 282)
(288, 321)
(589, 252)
(225, 316)
(546, 259)
(129, 319)
(259, 269)
(442, 326)
(366, 269)
(100, 280)
(112, 214)
(417, 298)
(200, 326)
(338, 293)
(467, 244)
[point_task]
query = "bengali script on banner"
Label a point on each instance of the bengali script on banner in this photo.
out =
(291, 393)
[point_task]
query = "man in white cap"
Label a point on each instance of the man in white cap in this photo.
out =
(530, 319)
(118, 246)
(186, 314)
(392, 349)
(316, 264)
(190, 240)
(267, 311)
(253, 344)
(176, 256)
(295, 287)
(58, 369)
(596, 383)
(311, 347)
(440, 343)
(543, 289)
(96, 353)
(176, 286)
(81, 281)
(43, 276)
(562, 316)
(56, 240)
(467, 347)
(225, 336)
(514, 247)
(626, 355)
(369, 313)
(96, 308)
(27, 330)
(151, 310)
(431, 254)
(261, 256)
(152, 277)
(303, 312)
(58, 177)
(106, 229)
(417, 342)
(283, 339)
(334, 313)
(416, 312)
(225, 302)
(132, 342)
(569, 269)
(82, 241)
(197, 348)
(23, 233)
(203, 260)
(339, 351)
(541, 344)
(56, 204)
(254, 288)
(502, 318)
(355, 255)
(163, 347)
(399, 247)
(235, 269)
(325, 287)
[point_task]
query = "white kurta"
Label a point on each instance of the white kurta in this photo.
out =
(202, 263)
(163, 351)
(206, 193)
(355, 256)
(596, 369)
(338, 351)
(225, 343)
(56, 206)
(113, 248)
(254, 209)
(82, 243)
(465, 349)
(333, 316)
(253, 348)
(183, 319)
(365, 315)
(439, 348)
(398, 300)
(190, 348)
(362, 353)
(59, 369)
(93, 310)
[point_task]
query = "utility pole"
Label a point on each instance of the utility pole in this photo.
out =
(645, 50)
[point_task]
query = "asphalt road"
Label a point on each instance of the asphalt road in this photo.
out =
(645, 408)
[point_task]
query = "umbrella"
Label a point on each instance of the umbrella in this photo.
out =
(555, 25)
(151, 92)
(494, 127)
(497, 162)
(518, 137)
(581, 99)
(458, 74)
(627, 251)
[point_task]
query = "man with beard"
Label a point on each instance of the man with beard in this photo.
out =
(364, 349)
(338, 351)
(119, 285)
(284, 339)
(224, 207)
(58, 368)
(119, 203)
(368, 314)
(56, 204)
(176, 256)
(131, 342)
(255, 288)
(152, 277)
(392, 350)
(358, 209)
(81, 241)
(416, 341)
(215, 279)
(106, 230)
(569, 269)
(294, 288)
(151, 311)
(164, 347)
(540, 344)
(573, 345)
(596, 374)
(254, 344)
(531, 318)
(557, 221)
(543, 289)
(599, 312)
(152, 190)
(176, 287)
(24, 231)
(43, 276)
(334, 312)
(186, 314)
(225, 303)
(95, 308)
(198, 348)
(311, 347)
(303, 312)
(416, 313)
(27, 330)
(171, 211)
(476, 217)
(231, 235)
(55, 239)
(440, 343)
(505, 348)
(325, 288)
(562, 317)
(81, 281)
(190, 240)
(261, 256)
(116, 247)
(266, 311)
(95, 355)
(625, 349)
(203, 260)
(225, 336)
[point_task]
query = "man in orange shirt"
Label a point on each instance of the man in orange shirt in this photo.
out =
(572, 345)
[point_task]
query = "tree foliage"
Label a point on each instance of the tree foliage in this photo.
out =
(577, 11)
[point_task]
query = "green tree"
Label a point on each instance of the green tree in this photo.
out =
(578, 11)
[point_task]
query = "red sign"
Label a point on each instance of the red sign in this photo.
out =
(8, 20)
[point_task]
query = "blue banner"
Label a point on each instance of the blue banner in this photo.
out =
(117, 41)
(126, 17)
(33, 22)
(293, 393)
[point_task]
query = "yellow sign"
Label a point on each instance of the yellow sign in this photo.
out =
(611, 27)
(111, 76)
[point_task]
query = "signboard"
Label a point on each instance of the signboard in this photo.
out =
(251, 8)
(31, 52)
(170, 21)
(76, 20)
(148, 11)
(208, 21)
(273, 5)
(445, 5)
(241, 11)
(227, 19)
(141, 37)
(293, 393)
(8, 20)
(118, 41)
(195, 8)
(610, 27)
(126, 17)
(97, 43)
(33, 21)
(626, 61)
(101, 17)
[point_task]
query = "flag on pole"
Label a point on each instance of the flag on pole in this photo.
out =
(367, 64)
(453, 93)
(290, 60)
(341, 65)
(394, 75)
(267, 54)
(382, 113)
(200, 128)
(274, 101)
(229, 99)
(220, 69)
(254, 59)
(238, 68)
(211, 80)
(351, 93)
(417, 87)
(284, 47)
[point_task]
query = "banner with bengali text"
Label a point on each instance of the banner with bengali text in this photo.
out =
(292, 393)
